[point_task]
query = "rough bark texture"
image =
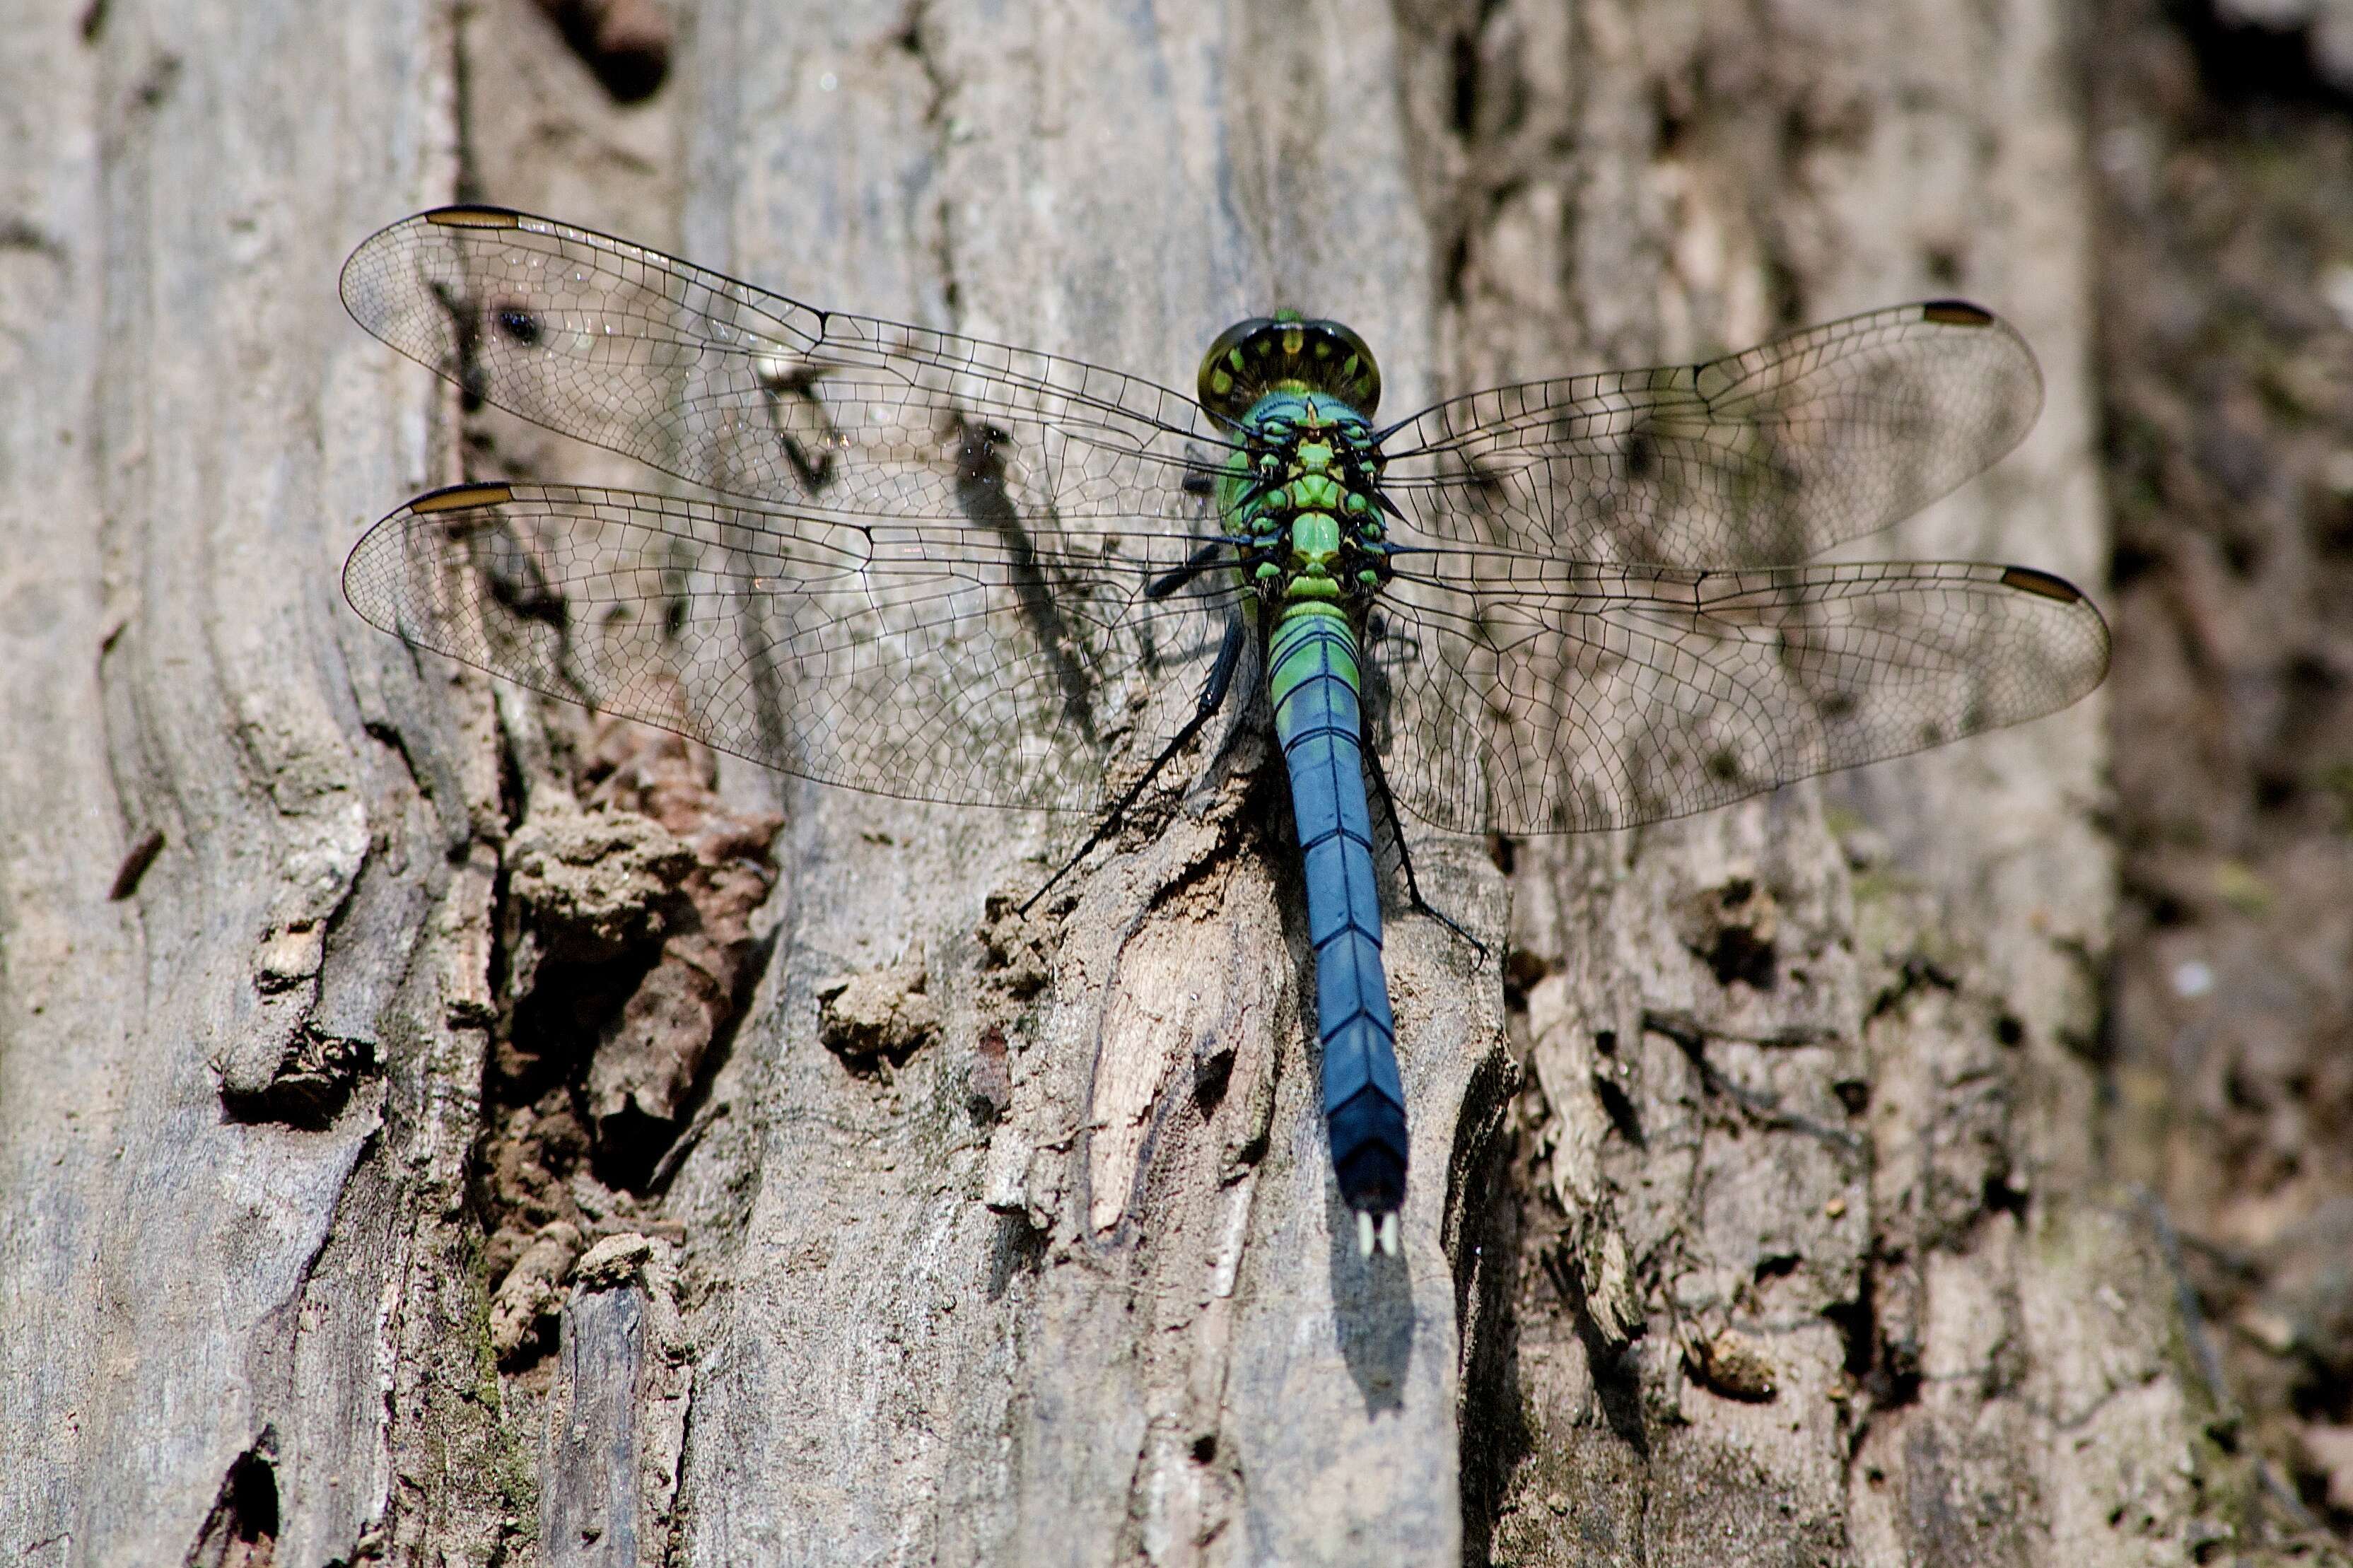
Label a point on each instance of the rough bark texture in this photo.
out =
(436, 1128)
(2226, 154)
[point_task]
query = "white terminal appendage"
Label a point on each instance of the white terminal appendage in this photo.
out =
(1381, 1231)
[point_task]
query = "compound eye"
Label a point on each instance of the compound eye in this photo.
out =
(1229, 379)
(1268, 353)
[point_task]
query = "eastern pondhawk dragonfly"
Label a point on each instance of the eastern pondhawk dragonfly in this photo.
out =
(954, 571)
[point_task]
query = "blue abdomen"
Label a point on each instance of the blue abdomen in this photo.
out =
(1312, 677)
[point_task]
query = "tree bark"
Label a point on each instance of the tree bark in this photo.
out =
(403, 1158)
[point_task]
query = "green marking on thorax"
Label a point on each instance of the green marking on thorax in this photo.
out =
(1306, 490)
(1298, 393)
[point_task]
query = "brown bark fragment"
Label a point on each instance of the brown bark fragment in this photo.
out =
(862, 1016)
(1734, 1365)
(531, 1294)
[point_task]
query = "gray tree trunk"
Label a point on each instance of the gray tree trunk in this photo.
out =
(1755, 1217)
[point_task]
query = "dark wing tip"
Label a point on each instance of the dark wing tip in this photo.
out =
(472, 217)
(464, 498)
(2077, 607)
(378, 571)
(362, 282)
(2027, 580)
(1955, 313)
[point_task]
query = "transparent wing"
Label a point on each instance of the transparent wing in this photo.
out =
(971, 664)
(1525, 695)
(753, 394)
(934, 584)
(1761, 458)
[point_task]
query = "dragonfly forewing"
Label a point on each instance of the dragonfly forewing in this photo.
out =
(753, 394)
(1762, 458)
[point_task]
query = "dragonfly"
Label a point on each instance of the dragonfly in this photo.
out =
(930, 566)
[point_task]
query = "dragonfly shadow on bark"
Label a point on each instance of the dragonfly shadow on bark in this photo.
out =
(1372, 1311)
(980, 491)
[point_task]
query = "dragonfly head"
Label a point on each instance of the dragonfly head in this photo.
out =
(1286, 352)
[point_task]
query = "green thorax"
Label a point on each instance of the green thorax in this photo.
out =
(1298, 494)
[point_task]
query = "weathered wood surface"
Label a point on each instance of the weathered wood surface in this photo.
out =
(1793, 1247)
(229, 1193)
(1809, 1090)
(1151, 1335)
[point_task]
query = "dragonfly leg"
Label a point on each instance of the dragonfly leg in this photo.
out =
(1213, 697)
(1200, 561)
(1414, 900)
